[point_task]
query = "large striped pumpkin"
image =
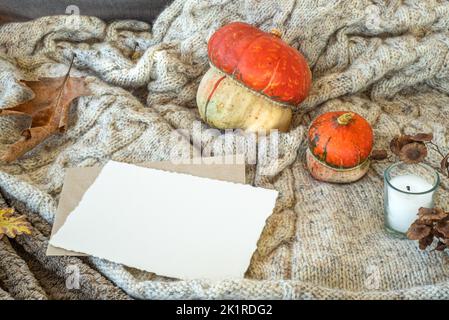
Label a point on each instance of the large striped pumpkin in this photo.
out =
(254, 81)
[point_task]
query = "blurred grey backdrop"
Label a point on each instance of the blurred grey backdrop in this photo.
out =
(20, 10)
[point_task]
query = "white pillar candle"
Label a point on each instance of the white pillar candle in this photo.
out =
(403, 206)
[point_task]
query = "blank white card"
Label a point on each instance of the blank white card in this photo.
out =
(173, 224)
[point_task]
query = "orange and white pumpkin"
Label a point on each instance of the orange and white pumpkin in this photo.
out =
(340, 144)
(254, 81)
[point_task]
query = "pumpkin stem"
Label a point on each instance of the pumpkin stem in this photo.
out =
(276, 32)
(345, 118)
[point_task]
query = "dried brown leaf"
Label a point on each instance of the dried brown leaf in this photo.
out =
(431, 214)
(398, 142)
(379, 155)
(411, 148)
(443, 228)
(418, 231)
(425, 242)
(414, 152)
(422, 137)
(432, 223)
(48, 110)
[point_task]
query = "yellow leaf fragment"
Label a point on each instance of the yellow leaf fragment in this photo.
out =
(12, 225)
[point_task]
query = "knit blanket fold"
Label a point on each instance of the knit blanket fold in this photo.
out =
(387, 60)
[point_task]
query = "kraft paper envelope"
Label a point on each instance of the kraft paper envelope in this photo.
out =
(78, 180)
(173, 224)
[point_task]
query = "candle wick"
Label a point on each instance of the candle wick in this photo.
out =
(408, 188)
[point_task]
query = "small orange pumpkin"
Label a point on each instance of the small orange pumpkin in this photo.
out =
(254, 80)
(340, 144)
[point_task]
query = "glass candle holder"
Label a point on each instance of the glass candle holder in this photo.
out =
(407, 187)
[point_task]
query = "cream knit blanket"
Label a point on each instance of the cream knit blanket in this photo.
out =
(385, 59)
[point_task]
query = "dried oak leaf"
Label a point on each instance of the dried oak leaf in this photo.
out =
(11, 225)
(379, 155)
(419, 231)
(425, 242)
(443, 228)
(49, 111)
(414, 152)
(430, 215)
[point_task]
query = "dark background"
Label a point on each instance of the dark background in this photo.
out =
(22, 10)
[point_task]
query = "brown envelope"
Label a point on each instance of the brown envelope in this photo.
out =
(78, 180)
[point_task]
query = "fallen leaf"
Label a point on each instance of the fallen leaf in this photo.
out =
(49, 111)
(443, 228)
(414, 152)
(422, 137)
(379, 155)
(11, 225)
(431, 214)
(418, 231)
(432, 224)
(411, 148)
(425, 242)
(398, 142)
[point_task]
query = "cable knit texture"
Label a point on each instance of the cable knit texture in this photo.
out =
(387, 60)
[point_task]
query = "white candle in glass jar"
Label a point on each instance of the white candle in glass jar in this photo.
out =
(403, 206)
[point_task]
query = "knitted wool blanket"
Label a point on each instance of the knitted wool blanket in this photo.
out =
(387, 60)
